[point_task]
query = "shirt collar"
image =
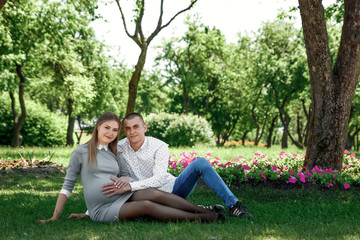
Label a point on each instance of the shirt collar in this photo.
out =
(142, 146)
(105, 147)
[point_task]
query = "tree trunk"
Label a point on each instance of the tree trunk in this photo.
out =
(2, 3)
(78, 136)
(332, 90)
(284, 139)
(185, 98)
(271, 130)
(18, 122)
(244, 137)
(299, 129)
(307, 114)
(71, 122)
(135, 78)
(285, 119)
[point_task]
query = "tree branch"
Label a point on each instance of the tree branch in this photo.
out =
(159, 27)
(133, 37)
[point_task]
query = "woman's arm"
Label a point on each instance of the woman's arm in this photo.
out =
(60, 203)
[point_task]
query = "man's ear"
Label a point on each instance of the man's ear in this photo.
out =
(145, 128)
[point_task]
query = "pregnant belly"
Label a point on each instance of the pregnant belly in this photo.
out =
(93, 194)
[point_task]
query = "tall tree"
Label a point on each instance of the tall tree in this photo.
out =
(18, 27)
(332, 85)
(143, 42)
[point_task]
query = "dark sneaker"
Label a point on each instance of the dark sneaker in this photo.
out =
(214, 208)
(220, 217)
(238, 210)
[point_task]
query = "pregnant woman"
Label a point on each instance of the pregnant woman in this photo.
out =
(96, 162)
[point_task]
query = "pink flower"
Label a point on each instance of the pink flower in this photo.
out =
(346, 151)
(329, 185)
(240, 156)
(346, 185)
(282, 153)
(217, 158)
(316, 168)
(234, 173)
(246, 167)
(257, 154)
(292, 180)
(346, 165)
(263, 176)
(294, 155)
(302, 177)
(352, 155)
(329, 170)
(274, 168)
(292, 173)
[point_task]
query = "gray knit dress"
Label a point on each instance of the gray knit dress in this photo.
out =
(100, 207)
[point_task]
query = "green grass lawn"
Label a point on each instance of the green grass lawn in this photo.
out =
(277, 214)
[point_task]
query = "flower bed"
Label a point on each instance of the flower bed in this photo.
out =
(284, 168)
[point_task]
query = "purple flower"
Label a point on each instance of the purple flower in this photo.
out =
(346, 185)
(329, 185)
(246, 167)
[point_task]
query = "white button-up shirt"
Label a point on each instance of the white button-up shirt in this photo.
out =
(148, 165)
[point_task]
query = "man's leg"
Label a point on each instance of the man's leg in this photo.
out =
(188, 179)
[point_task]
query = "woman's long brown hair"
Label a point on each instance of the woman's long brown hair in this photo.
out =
(93, 142)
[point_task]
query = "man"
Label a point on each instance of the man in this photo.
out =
(147, 160)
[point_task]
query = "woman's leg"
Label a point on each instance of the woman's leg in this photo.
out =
(166, 199)
(133, 209)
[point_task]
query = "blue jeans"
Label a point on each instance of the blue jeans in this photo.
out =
(187, 180)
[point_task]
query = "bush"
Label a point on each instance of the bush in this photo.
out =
(179, 130)
(41, 127)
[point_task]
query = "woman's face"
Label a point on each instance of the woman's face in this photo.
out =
(107, 132)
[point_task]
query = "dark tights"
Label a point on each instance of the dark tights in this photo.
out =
(163, 206)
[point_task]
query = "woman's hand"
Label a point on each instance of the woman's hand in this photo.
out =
(47, 220)
(112, 190)
(78, 215)
(120, 182)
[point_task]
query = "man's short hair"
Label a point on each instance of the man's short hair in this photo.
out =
(134, 115)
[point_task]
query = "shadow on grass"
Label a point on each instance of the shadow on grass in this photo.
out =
(277, 214)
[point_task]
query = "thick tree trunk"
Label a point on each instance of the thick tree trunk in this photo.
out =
(271, 130)
(71, 122)
(2, 3)
(332, 90)
(135, 78)
(18, 122)
(307, 114)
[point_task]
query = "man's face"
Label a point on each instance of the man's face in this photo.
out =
(135, 130)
